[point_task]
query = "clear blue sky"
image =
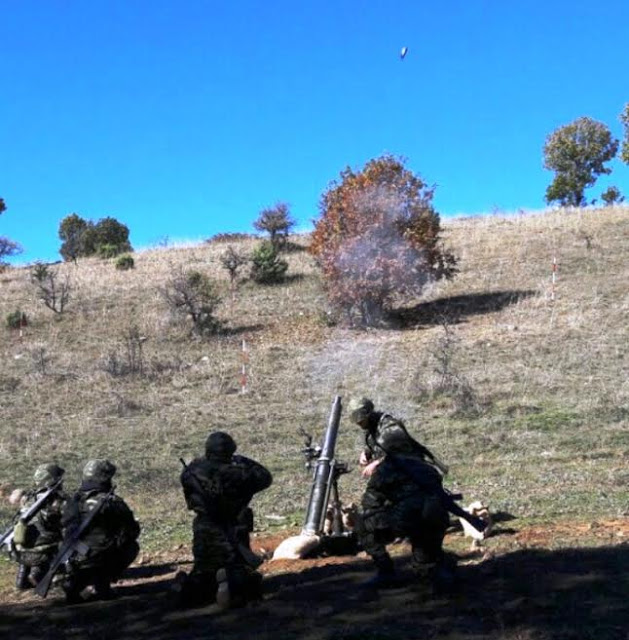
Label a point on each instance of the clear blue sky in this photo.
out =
(186, 118)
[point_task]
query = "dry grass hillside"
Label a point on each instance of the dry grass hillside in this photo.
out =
(525, 397)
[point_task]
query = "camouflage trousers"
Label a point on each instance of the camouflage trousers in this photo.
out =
(422, 519)
(213, 549)
(36, 556)
(33, 564)
(102, 568)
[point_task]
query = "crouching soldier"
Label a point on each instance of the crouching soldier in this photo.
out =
(37, 533)
(403, 498)
(108, 545)
(218, 488)
(394, 507)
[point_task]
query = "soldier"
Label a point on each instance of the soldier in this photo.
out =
(35, 543)
(394, 504)
(384, 433)
(111, 537)
(218, 488)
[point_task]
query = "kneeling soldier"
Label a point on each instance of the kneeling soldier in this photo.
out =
(35, 542)
(110, 540)
(218, 488)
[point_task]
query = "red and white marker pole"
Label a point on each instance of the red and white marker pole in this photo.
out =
(553, 279)
(243, 371)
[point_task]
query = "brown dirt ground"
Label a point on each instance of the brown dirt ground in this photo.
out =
(555, 581)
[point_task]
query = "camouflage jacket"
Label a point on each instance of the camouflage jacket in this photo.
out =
(220, 490)
(391, 483)
(44, 530)
(113, 526)
(388, 434)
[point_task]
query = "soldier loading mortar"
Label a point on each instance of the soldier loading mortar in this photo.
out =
(404, 498)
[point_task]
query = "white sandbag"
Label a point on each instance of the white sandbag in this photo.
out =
(296, 547)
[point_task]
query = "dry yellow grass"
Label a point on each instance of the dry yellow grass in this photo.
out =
(544, 434)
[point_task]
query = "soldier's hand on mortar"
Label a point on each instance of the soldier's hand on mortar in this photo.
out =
(368, 471)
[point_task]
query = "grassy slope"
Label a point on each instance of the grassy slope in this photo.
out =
(541, 433)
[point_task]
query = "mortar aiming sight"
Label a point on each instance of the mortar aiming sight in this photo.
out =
(312, 453)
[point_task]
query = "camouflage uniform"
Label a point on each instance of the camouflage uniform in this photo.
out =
(36, 543)
(384, 433)
(111, 536)
(218, 488)
(394, 505)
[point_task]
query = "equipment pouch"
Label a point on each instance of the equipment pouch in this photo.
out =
(25, 535)
(19, 533)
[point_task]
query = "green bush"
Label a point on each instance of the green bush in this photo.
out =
(266, 266)
(107, 251)
(229, 237)
(125, 262)
(192, 294)
(612, 196)
(16, 319)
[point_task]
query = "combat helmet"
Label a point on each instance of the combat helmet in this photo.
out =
(99, 470)
(219, 445)
(359, 410)
(47, 474)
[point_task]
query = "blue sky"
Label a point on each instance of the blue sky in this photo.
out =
(185, 119)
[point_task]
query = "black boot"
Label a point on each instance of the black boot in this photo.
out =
(384, 577)
(103, 590)
(444, 577)
(72, 591)
(21, 578)
(37, 574)
(196, 589)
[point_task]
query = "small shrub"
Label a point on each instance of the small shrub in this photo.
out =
(612, 196)
(125, 262)
(8, 248)
(266, 266)
(52, 293)
(40, 359)
(449, 381)
(192, 294)
(220, 238)
(132, 360)
(277, 222)
(232, 261)
(16, 320)
(107, 251)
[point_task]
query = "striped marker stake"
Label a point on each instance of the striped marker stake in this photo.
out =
(243, 371)
(23, 323)
(553, 279)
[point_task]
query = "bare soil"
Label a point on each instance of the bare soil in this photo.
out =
(520, 587)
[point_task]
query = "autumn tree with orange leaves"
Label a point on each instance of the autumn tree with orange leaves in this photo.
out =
(377, 241)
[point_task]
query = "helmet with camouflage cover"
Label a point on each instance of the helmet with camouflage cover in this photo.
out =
(219, 445)
(47, 474)
(99, 470)
(359, 410)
